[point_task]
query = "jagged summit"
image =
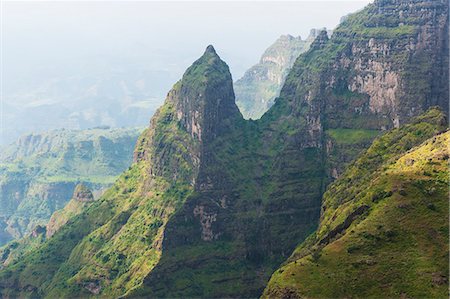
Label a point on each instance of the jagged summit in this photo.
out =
(320, 39)
(205, 96)
(315, 32)
(210, 49)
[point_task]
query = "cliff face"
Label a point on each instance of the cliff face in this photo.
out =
(39, 172)
(243, 212)
(382, 66)
(213, 204)
(261, 84)
(123, 230)
(383, 227)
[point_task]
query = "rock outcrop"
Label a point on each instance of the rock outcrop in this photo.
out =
(82, 193)
(374, 73)
(82, 198)
(213, 204)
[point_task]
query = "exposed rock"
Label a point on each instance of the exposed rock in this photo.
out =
(163, 224)
(82, 193)
(439, 279)
(93, 287)
(206, 220)
(38, 230)
(81, 198)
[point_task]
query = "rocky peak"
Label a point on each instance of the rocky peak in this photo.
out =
(204, 98)
(82, 193)
(315, 32)
(321, 38)
(210, 49)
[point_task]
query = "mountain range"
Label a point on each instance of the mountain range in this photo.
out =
(39, 172)
(339, 190)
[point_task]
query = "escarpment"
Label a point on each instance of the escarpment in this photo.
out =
(381, 67)
(213, 204)
(39, 172)
(377, 220)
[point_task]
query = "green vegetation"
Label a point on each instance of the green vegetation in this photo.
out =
(384, 225)
(17, 249)
(114, 242)
(368, 24)
(72, 154)
(39, 172)
(349, 136)
(213, 204)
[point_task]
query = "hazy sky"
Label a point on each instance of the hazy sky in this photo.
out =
(57, 38)
(85, 63)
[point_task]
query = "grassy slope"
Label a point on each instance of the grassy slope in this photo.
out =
(16, 249)
(352, 136)
(60, 217)
(116, 241)
(398, 245)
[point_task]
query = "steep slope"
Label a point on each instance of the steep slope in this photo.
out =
(111, 246)
(39, 172)
(384, 224)
(14, 250)
(342, 86)
(261, 84)
(214, 204)
(81, 199)
(382, 66)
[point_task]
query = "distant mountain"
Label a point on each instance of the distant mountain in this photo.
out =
(261, 84)
(39, 172)
(82, 198)
(213, 204)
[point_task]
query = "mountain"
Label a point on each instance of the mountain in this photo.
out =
(214, 203)
(261, 84)
(82, 198)
(39, 172)
(383, 230)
